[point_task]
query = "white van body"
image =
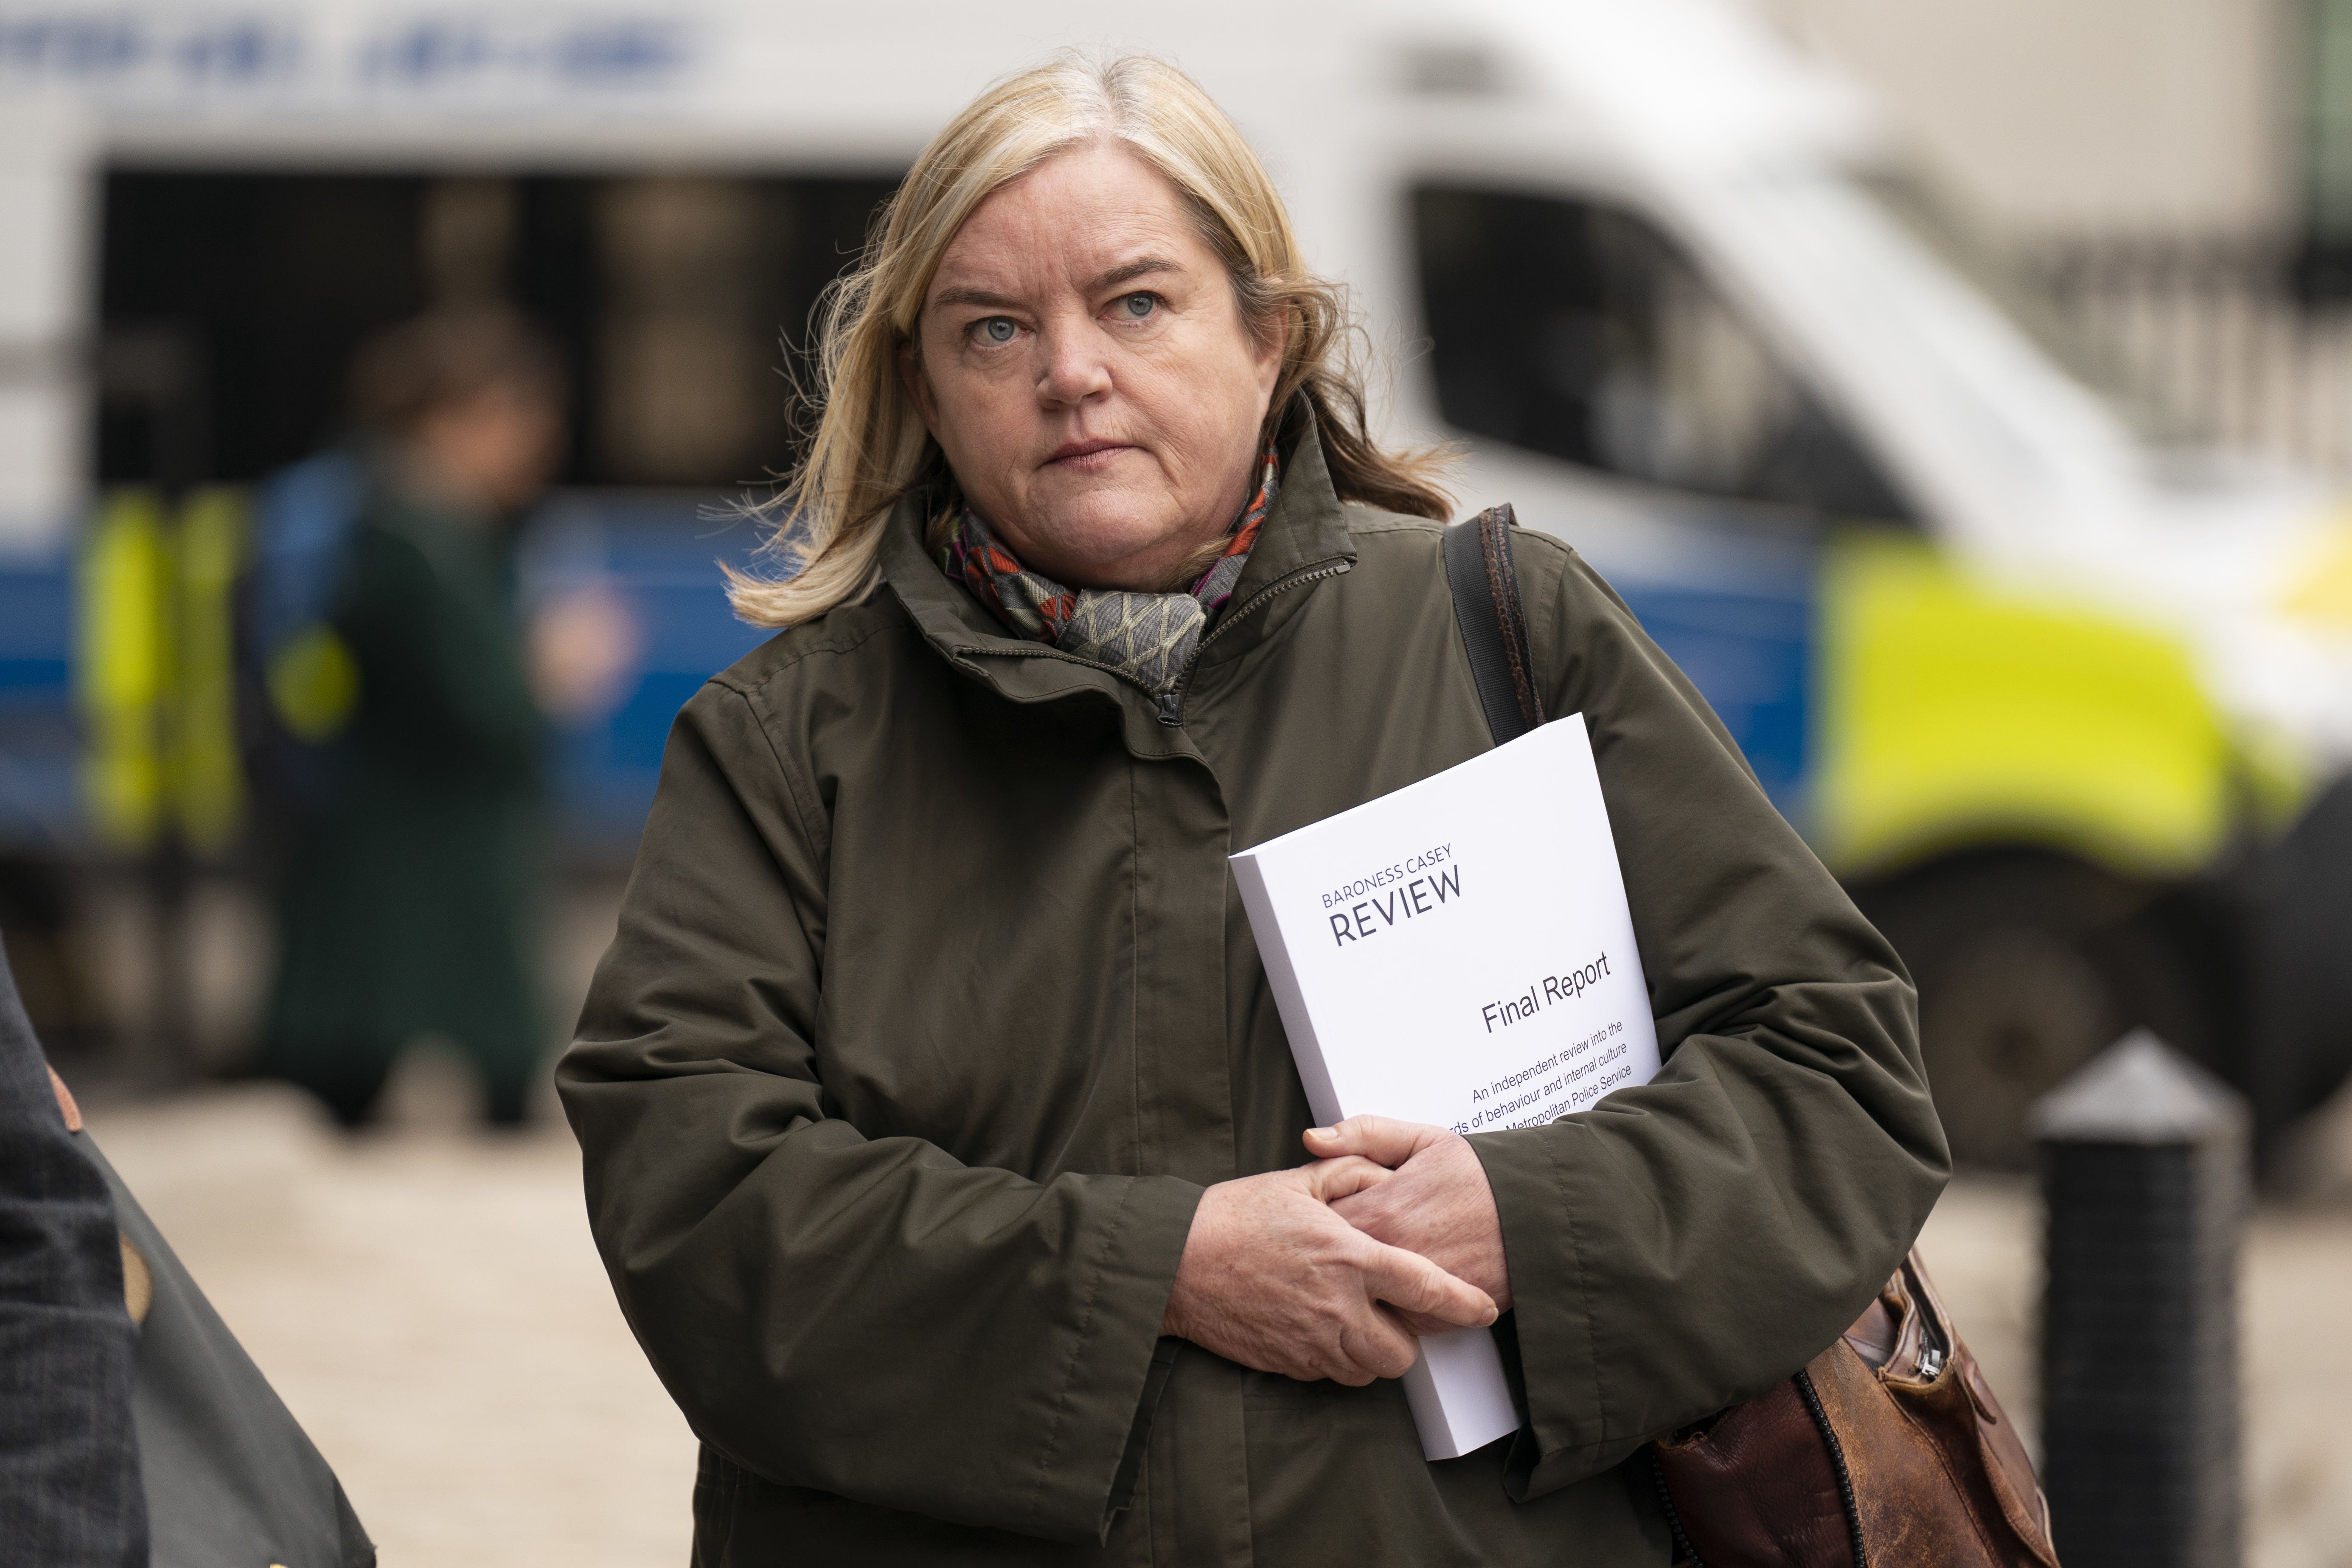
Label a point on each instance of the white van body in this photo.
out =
(1690, 112)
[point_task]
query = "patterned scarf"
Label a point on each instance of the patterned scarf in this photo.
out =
(1150, 637)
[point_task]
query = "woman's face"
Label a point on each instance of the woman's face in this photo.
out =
(1086, 369)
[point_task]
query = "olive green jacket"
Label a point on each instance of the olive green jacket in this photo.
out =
(933, 1008)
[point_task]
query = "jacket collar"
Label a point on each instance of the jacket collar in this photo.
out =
(1306, 527)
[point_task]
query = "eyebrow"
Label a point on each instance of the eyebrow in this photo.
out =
(961, 296)
(1142, 266)
(1125, 272)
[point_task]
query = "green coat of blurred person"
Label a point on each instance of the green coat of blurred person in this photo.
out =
(408, 906)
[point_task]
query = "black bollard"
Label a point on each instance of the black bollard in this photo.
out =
(2144, 1171)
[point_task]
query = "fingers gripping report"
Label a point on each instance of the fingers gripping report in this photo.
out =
(1272, 1278)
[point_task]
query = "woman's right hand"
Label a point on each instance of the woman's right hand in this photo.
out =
(1273, 1279)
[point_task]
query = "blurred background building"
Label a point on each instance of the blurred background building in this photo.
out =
(2179, 172)
(1962, 393)
(2097, 120)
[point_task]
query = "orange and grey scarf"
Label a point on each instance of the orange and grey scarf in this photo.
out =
(1147, 636)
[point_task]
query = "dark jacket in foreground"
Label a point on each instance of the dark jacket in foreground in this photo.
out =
(933, 1008)
(69, 1493)
(231, 1479)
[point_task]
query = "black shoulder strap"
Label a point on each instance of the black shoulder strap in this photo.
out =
(1481, 569)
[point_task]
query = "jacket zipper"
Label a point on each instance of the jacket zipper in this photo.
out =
(1169, 704)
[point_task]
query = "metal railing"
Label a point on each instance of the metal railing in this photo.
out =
(2219, 338)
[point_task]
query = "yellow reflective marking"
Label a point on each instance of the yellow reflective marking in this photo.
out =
(314, 684)
(121, 667)
(1954, 712)
(155, 670)
(2322, 591)
(210, 771)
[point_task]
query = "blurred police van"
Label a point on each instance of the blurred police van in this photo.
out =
(2067, 704)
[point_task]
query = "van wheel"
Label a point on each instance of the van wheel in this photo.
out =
(2028, 965)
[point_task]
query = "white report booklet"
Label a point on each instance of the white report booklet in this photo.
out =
(1458, 952)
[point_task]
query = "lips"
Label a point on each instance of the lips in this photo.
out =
(1091, 454)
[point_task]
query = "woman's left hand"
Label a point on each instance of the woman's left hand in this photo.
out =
(1438, 1204)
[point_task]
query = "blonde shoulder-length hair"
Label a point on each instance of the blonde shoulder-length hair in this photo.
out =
(869, 447)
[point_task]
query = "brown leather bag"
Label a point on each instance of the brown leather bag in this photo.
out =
(1888, 1449)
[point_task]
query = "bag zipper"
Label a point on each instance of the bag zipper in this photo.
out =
(1685, 1554)
(1812, 1399)
(1934, 1352)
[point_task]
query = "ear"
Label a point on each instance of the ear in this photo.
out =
(918, 386)
(1267, 356)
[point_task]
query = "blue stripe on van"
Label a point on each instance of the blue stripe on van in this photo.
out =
(1750, 654)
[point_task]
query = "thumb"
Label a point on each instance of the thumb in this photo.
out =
(1413, 1283)
(1382, 1139)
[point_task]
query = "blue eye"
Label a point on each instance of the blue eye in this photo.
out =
(995, 329)
(1137, 306)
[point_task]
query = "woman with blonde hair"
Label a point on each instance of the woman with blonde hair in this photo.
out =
(943, 1140)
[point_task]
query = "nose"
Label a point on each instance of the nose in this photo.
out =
(1074, 367)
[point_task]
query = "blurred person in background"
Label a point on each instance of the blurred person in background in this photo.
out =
(408, 903)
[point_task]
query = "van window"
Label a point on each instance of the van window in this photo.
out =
(1577, 330)
(230, 302)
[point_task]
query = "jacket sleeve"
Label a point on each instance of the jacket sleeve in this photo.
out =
(1683, 1245)
(866, 1316)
